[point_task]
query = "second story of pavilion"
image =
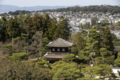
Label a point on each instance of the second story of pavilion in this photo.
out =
(59, 47)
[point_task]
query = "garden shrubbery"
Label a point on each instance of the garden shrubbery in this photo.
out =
(18, 56)
(42, 64)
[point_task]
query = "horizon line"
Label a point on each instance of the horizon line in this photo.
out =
(59, 5)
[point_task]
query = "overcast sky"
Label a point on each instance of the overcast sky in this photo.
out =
(23, 3)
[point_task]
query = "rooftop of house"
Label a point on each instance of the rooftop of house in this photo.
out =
(117, 48)
(54, 56)
(60, 43)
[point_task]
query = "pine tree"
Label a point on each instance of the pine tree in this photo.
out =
(106, 39)
(92, 41)
(52, 29)
(46, 25)
(94, 21)
(37, 23)
(80, 42)
(63, 29)
(28, 24)
(3, 26)
(91, 49)
(20, 20)
(13, 28)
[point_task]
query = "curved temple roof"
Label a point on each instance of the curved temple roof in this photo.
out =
(59, 43)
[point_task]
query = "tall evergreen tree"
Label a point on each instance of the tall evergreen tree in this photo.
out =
(92, 41)
(94, 21)
(3, 26)
(37, 23)
(106, 39)
(91, 48)
(63, 29)
(80, 42)
(13, 28)
(52, 29)
(21, 19)
(28, 24)
(46, 25)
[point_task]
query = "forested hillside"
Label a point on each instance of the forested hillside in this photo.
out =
(101, 8)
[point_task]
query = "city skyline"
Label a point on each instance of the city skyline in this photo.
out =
(29, 3)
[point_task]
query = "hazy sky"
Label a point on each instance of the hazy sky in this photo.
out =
(23, 3)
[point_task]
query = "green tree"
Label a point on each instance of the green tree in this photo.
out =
(110, 60)
(94, 20)
(36, 46)
(52, 29)
(98, 61)
(7, 48)
(46, 22)
(84, 34)
(91, 48)
(65, 71)
(69, 57)
(19, 56)
(63, 29)
(91, 72)
(37, 23)
(74, 50)
(28, 24)
(80, 26)
(80, 42)
(114, 38)
(92, 41)
(13, 28)
(106, 39)
(104, 53)
(117, 61)
(25, 70)
(106, 71)
(42, 64)
(118, 23)
(45, 41)
(83, 56)
(104, 22)
(21, 23)
(3, 27)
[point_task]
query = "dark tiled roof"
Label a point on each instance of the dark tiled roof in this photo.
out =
(59, 43)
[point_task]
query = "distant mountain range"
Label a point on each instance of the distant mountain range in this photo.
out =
(94, 8)
(7, 8)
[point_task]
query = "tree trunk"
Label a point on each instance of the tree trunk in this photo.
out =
(12, 43)
(40, 50)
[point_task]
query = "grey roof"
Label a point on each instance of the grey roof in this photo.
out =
(117, 48)
(54, 56)
(59, 43)
(116, 68)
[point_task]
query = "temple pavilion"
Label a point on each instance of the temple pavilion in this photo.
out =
(59, 49)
